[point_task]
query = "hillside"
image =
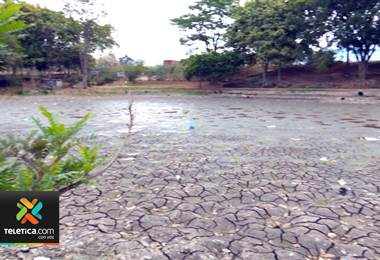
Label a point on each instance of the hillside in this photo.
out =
(340, 75)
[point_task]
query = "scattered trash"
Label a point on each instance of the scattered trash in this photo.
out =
(331, 235)
(178, 177)
(343, 191)
(296, 139)
(342, 182)
(41, 258)
(324, 159)
(371, 139)
(271, 126)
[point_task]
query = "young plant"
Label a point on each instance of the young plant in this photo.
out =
(47, 159)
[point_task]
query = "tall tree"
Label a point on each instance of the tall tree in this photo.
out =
(267, 29)
(206, 23)
(92, 35)
(50, 39)
(356, 28)
(10, 23)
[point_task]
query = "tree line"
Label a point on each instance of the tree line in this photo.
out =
(38, 38)
(279, 32)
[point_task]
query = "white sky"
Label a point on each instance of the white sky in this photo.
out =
(142, 27)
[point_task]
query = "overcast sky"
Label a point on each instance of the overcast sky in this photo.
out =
(142, 27)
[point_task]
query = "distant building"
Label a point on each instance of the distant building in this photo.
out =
(170, 63)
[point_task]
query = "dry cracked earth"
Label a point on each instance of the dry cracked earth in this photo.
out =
(219, 178)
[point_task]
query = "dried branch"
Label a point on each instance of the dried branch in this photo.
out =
(119, 151)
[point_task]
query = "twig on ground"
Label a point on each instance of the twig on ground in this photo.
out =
(102, 169)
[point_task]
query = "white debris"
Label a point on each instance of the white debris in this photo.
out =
(371, 139)
(324, 159)
(342, 182)
(296, 139)
(178, 177)
(271, 126)
(42, 258)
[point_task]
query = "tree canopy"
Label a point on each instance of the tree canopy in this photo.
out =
(206, 23)
(355, 26)
(10, 24)
(212, 66)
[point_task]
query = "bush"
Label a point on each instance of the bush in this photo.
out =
(212, 66)
(105, 78)
(48, 159)
(322, 60)
(10, 81)
(133, 71)
(73, 79)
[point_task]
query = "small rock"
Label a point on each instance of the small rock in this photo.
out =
(343, 191)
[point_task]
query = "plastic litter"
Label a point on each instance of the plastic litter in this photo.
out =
(342, 182)
(371, 139)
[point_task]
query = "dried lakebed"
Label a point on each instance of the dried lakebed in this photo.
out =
(219, 178)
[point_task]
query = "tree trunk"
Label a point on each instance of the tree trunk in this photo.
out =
(363, 70)
(279, 76)
(84, 69)
(84, 55)
(265, 70)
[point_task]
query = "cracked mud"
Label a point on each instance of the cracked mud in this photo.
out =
(250, 179)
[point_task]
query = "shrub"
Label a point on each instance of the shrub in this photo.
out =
(322, 60)
(73, 79)
(48, 159)
(10, 81)
(133, 71)
(212, 66)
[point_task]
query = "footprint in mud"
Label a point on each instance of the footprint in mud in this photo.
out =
(322, 123)
(372, 126)
(353, 120)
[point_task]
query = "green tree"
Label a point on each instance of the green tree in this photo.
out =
(206, 23)
(356, 27)
(10, 24)
(92, 35)
(268, 29)
(50, 39)
(212, 66)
